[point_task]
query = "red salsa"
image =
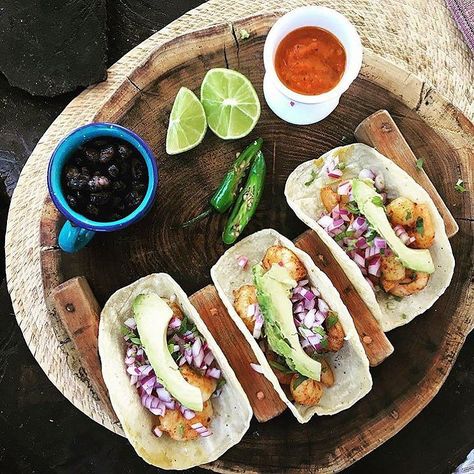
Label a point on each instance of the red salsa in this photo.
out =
(310, 60)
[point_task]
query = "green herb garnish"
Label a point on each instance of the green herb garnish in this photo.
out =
(331, 320)
(312, 178)
(280, 367)
(419, 163)
(420, 228)
(341, 235)
(341, 166)
(352, 207)
(221, 383)
(298, 381)
(408, 215)
(377, 200)
(244, 34)
(459, 186)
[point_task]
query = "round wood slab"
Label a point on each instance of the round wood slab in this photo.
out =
(425, 350)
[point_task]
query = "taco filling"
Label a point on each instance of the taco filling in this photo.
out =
(293, 325)
(175, 373)
(378, 230)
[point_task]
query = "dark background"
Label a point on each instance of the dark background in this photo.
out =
(42, 67)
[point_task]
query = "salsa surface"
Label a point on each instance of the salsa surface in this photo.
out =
(310, 60)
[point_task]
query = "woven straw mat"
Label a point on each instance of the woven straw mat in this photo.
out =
(418, 35)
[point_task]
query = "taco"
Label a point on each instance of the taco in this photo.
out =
(178, 400)
(293, 318)
(380, 225)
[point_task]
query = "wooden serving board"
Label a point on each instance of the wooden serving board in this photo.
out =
(425, 350)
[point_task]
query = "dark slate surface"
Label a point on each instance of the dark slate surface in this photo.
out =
(41, 432)
(54, 46)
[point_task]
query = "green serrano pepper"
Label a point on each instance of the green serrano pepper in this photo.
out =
(227, 192)
(247, 202)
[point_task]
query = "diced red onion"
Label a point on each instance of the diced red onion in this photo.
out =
(303, 283)
(242, 261)
(325, 221)
(374, 267)
(322, 306)
(130, 323)
(157, 432)
(344, 189)
(309, 304)
(213, 373)
(359, 260)
(380, 243)
(335, 173)
(257, 328)
(379, 182)
(402, 234)
(208, 358)
(367, 174)
(175, 323)
(257, 367)
(310, 318)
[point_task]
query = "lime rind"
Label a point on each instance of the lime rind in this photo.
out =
(187, 125)
(230, 102)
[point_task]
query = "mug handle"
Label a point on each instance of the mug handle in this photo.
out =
(72, 238)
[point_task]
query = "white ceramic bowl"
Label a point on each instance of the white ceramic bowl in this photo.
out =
(299, 108)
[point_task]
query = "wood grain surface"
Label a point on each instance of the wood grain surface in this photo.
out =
(425, 350)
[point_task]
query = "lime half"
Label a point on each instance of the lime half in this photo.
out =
(231, 103)
(187, 125)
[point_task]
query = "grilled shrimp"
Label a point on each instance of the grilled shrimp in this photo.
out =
(177, 311)
(327, 375)
(285, 257)
(207, 385)
(336, 336)
(423, 231)
(401, 211)
(411, 284)
(392, 269)
(245, 296)
(308, 392)
(329, 198)
(179, 428)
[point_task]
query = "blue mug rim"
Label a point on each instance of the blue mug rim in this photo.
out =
(79, 220)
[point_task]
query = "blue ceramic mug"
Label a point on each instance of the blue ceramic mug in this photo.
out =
(78, 230)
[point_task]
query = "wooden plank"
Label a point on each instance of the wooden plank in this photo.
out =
(376, 344)
(381, 132)
(265, 401)
(79, 312)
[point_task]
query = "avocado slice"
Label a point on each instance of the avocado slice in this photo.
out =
(152, 316)
(273, 294)
(370, 205)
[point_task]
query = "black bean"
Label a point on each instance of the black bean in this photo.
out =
(119, 186)
(72, 201)
(113, 171)
(138, 169)
(99, 199)
(106, 154)
(92, 155)
(99, 142)
(132, 199)
(98, 183)
(93, 210)
(71, 171)
(77, 183)
(124, 151)
(85, 172)
(139, 187)
(97, 173)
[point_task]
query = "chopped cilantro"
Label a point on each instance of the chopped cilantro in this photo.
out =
(341, 235)
(419, 163)
(352, 207)
(378, 201)
(280, 367)
(408, 215)
(135, 340)
(311, 179)
(298, 381)
(221, 383)
(171, 347)
(459, 186)
(244, 34)
(180, 430)
(331, 320)
(370, 235)
(341, 166)
(324, 343)
(319, 330)
(397, 298)
(420, 228)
